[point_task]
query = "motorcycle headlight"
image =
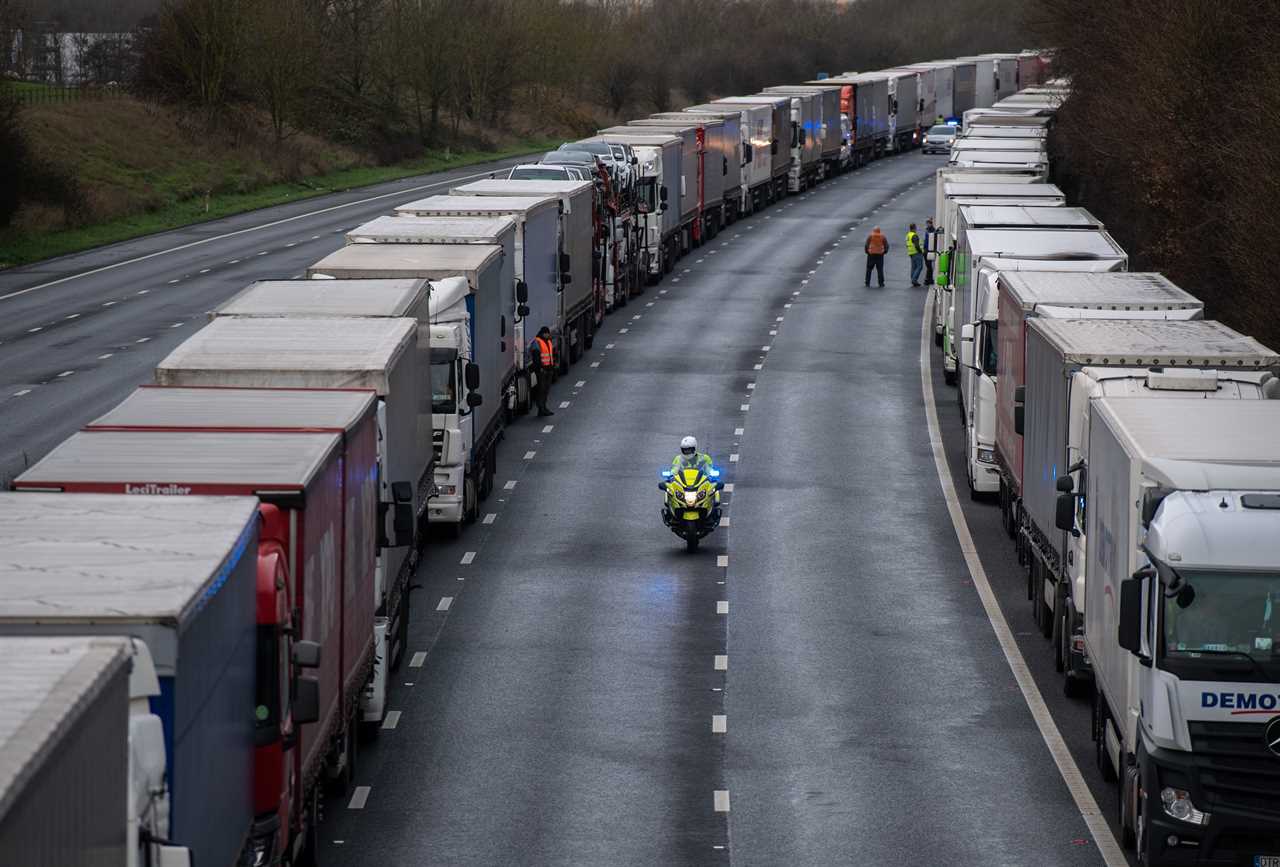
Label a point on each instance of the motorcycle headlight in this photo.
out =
(690, 497)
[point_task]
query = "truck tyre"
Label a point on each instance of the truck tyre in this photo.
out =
(1100, 757)
(588, 330)
(1061, 629)
(1046, 613)
(948, 376)
(311, 836)
(1127, 817)
(523, 394)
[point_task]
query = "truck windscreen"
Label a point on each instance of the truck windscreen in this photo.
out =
(444, 387)
(1225, 615)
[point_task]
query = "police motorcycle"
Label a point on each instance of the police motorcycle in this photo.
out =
(692, 505)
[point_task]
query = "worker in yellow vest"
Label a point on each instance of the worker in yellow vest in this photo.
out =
(915, 249)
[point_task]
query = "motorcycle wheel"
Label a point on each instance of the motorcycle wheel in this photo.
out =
(691, 543)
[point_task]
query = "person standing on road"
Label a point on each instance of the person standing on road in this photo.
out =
(542, 358)
(930, 250)
(915, 250)
(876, 246)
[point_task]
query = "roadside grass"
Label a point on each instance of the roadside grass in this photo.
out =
(19, 247)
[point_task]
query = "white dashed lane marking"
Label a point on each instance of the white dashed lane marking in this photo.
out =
(720, 800)
(358, 798)
(446, 602)
(490, 518)
(509, 486)
(722, 607)
(418, 658)
(721, 662)
(391, 720)
(719, 723)
(468, 558)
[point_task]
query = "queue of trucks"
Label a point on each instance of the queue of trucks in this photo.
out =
(1133, 447)
(205, 590)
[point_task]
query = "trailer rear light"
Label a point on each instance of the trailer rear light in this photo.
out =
(33, 490)
(1077, 644)
(447, 490)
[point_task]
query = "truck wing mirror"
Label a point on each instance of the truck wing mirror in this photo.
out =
(503, 332)
(471, 375)
(1065, 484)
(725, 169)
(172, 856)
(566, 263)
(1064, 516)
(306, 654)
(662, 193)
(746, 153)
(522, 292)
(306, 701)
(1019, 409)
(966, 345)
(773, 147)
(474, 399)
(663, 207)
(1130, 626)
(522, 310)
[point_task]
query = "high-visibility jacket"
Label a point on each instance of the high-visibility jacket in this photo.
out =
(699, 461)
(546, 352)
(876, 245)
(913, 244)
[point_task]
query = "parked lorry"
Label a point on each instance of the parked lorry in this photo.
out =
(352, 414)
(538, 269)
(964, 88)
(1182, 579)
(1006, 68)
(756, 128)
(904, 109)
(827, 130)
(703, 169)
(179, 575)
(1031, 69)
(806, 139)
(472, 371)
(779, 138)
(983, 255)
(72, 753)
(944, 77)
(582, 298)
(970, 187)
(728, 146)
(1066, 363)
(658, 190)
(927, 95)
(1002, 161)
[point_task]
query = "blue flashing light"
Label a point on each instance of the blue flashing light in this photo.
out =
(713, 473)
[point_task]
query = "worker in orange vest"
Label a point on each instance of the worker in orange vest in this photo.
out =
(542, 358)
(876, 247)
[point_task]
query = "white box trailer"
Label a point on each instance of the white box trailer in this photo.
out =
(1006, 68)
(1002, 161)
(997, 248)
(779, 137)
(756, 126)
(986, 131)
(582, 301)
(729, 146)
(1034, 144)
(904, 108)
(943, 90)
(537, 257)
(827, 130)
(690, 196)
(660, 157)
(64, 751)
(1180, 622)
(806, 138)
(984, 80)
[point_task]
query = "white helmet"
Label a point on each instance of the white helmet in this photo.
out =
(689, 446)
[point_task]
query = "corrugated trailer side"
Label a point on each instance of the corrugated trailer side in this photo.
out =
(965, 93)
(64, 751)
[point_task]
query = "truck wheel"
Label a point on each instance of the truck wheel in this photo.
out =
(402, 631)
(1100, 757)
(949, 376)
(470, 501)
(1046, 613)
(588, 331)
(523, 402)
(937, 338)
(1127, 817)
(311, 836)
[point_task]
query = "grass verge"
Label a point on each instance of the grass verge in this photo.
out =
(22, 249)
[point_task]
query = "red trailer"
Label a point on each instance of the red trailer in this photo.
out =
(313, 464)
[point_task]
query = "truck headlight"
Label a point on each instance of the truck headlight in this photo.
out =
(690, 497)
(1177, 803)
(448, 490)
(986, 456)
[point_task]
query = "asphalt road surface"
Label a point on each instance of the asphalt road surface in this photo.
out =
(818, 684)
(77, 333)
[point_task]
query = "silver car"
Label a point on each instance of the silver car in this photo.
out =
(938, 139)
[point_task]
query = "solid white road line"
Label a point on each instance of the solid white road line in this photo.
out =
(417, 659)
(1067, 768)
(203, 241)
(468, 558)
(445, 603)
(722, 662)
(720, 799)
(391, 720)
(719, 723)
(722, 607)
(358, 798)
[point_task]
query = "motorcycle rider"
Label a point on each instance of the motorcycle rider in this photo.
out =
(690, 458)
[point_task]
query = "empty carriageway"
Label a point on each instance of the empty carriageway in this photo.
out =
(818, 684)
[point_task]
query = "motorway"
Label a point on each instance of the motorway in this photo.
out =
(821, 683)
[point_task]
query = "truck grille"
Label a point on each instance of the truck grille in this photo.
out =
(1236, 768)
